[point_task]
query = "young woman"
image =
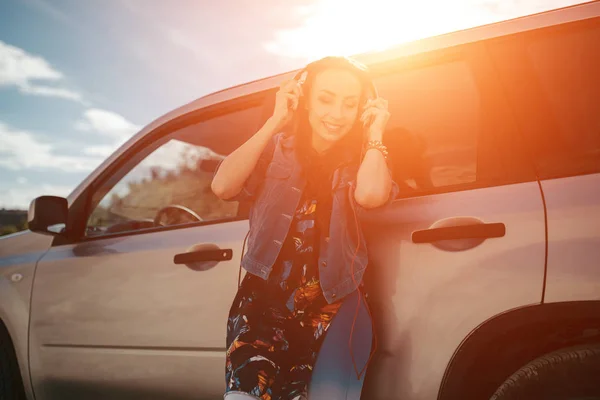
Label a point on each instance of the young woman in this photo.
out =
(306, 251)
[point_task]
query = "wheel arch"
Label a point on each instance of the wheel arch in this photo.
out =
(506, 342)
(20, 368)
(14, 322)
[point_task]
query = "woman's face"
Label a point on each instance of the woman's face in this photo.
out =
(333, 106)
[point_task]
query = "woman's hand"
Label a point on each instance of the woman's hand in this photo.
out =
(286, 103)
(373, 181)
(375, 117)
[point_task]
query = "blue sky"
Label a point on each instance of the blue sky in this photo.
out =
(77, 78)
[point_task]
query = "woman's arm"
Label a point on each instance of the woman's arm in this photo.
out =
(373, 181)
(238, 166)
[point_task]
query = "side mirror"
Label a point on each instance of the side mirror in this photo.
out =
(209, 165)
(48, 215)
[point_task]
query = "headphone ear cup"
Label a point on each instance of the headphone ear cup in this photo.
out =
(374, 93)
(301, 76)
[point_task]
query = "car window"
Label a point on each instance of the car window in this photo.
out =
(554, 88)
(434, 128)
(567, 66)
(170, 183)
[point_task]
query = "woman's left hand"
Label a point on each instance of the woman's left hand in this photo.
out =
(375, 117)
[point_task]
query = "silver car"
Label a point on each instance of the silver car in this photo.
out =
(485, 275)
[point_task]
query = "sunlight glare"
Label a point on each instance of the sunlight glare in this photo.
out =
(348, 27)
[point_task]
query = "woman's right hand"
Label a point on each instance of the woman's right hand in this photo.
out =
(286, 102)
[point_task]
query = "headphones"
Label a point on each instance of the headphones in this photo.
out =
(303, 74)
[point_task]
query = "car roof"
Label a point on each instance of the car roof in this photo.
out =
(530, 22)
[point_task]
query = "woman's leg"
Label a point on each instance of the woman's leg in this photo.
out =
(305, 337)
(335, 372)
(239, 396)
(255, 343)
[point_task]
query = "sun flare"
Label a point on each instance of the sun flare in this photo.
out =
(348, 27)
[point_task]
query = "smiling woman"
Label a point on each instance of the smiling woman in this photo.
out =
(315, 164)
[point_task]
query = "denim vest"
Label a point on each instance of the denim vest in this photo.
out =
(275, 188)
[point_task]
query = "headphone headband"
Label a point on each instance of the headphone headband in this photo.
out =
(303, 74)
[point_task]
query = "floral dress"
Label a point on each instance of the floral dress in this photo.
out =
(276, 327)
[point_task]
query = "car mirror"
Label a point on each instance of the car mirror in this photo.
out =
(48, 215)
(209, 165)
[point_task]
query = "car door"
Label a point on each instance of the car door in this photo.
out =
(137, 307)
(465, 240)
(555, 90)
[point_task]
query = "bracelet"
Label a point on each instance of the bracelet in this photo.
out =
(377, 145)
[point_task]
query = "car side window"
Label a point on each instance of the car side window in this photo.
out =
(554, 88)
(568, 66)
(434, 129)
(168, 183)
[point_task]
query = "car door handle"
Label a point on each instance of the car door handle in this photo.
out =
(204, 255)
(471, 231)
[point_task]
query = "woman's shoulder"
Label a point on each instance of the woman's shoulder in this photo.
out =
(280, 149)
(284, 139)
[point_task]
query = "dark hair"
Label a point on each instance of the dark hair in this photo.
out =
(353, 142)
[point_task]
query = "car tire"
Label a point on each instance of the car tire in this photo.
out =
(11, 384)
(567, 374)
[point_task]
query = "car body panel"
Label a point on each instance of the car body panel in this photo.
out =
(426, 300)
(19, 254)
(116, 318)
(573, 238)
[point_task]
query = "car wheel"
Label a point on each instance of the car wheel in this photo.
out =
(11, 385)
(567, 374)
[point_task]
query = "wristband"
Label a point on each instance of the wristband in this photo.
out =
(377, 145)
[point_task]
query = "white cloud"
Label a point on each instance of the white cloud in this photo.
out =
(108, 124)
(20, 197)
(52, 92)
(100, 151)
(20, 150)
(25, 71)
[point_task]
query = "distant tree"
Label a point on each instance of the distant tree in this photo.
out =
(155, 173)
(170, 176)
(8, 229)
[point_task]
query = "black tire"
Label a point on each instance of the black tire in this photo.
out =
(11, 384)
(567, 374)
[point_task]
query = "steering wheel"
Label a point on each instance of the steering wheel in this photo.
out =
(176, 209)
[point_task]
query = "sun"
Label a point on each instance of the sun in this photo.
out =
(349, 27)
(346, 27)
